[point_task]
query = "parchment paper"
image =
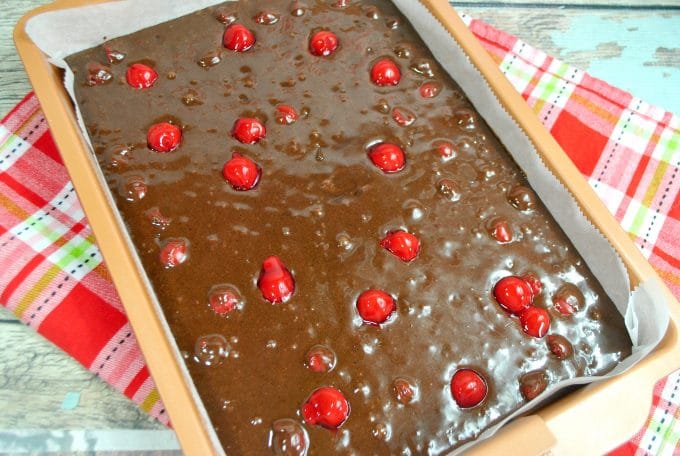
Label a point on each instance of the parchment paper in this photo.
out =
(645, 310)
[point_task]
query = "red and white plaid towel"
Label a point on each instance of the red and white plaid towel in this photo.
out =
(53, 278)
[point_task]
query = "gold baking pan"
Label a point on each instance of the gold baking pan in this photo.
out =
(590, 420)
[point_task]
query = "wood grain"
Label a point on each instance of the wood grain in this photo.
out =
(635, 50)
(546, 26)
(35, 376)
(13, 82)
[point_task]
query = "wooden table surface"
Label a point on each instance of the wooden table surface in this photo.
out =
(633, 44)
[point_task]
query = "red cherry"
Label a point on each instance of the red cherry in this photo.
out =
(326, 407)
(532, 384)
(534, 283)
(375, 306)
(241, 172)
(248, 130)
(402, 244)
(562, 306)
(320, 359)
(173, 253)
(513, 294)
(387, 157)
(323, 43)
(112, 55)
(446, 150)
(468, 388)
(266, 18)
(568, 299)
(286, 115)
(141, 76)
(535, 321)
(403, 117)
(222, 299)
(238, 38)
(275, 282)
(98, 74)
(500, 230)
(164, 137)
(385, 72)
(404, 390)
(430, 89)
(560, 346)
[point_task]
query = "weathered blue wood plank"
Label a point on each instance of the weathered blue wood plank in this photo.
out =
(645, 57)
(637, 52)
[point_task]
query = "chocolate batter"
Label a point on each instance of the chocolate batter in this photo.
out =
(322, 207)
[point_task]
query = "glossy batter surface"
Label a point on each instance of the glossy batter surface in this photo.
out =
(322, 207)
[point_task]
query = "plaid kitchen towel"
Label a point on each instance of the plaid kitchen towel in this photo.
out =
(51, 272)
(53, 278)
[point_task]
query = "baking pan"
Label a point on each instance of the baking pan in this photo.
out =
(583, 422)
